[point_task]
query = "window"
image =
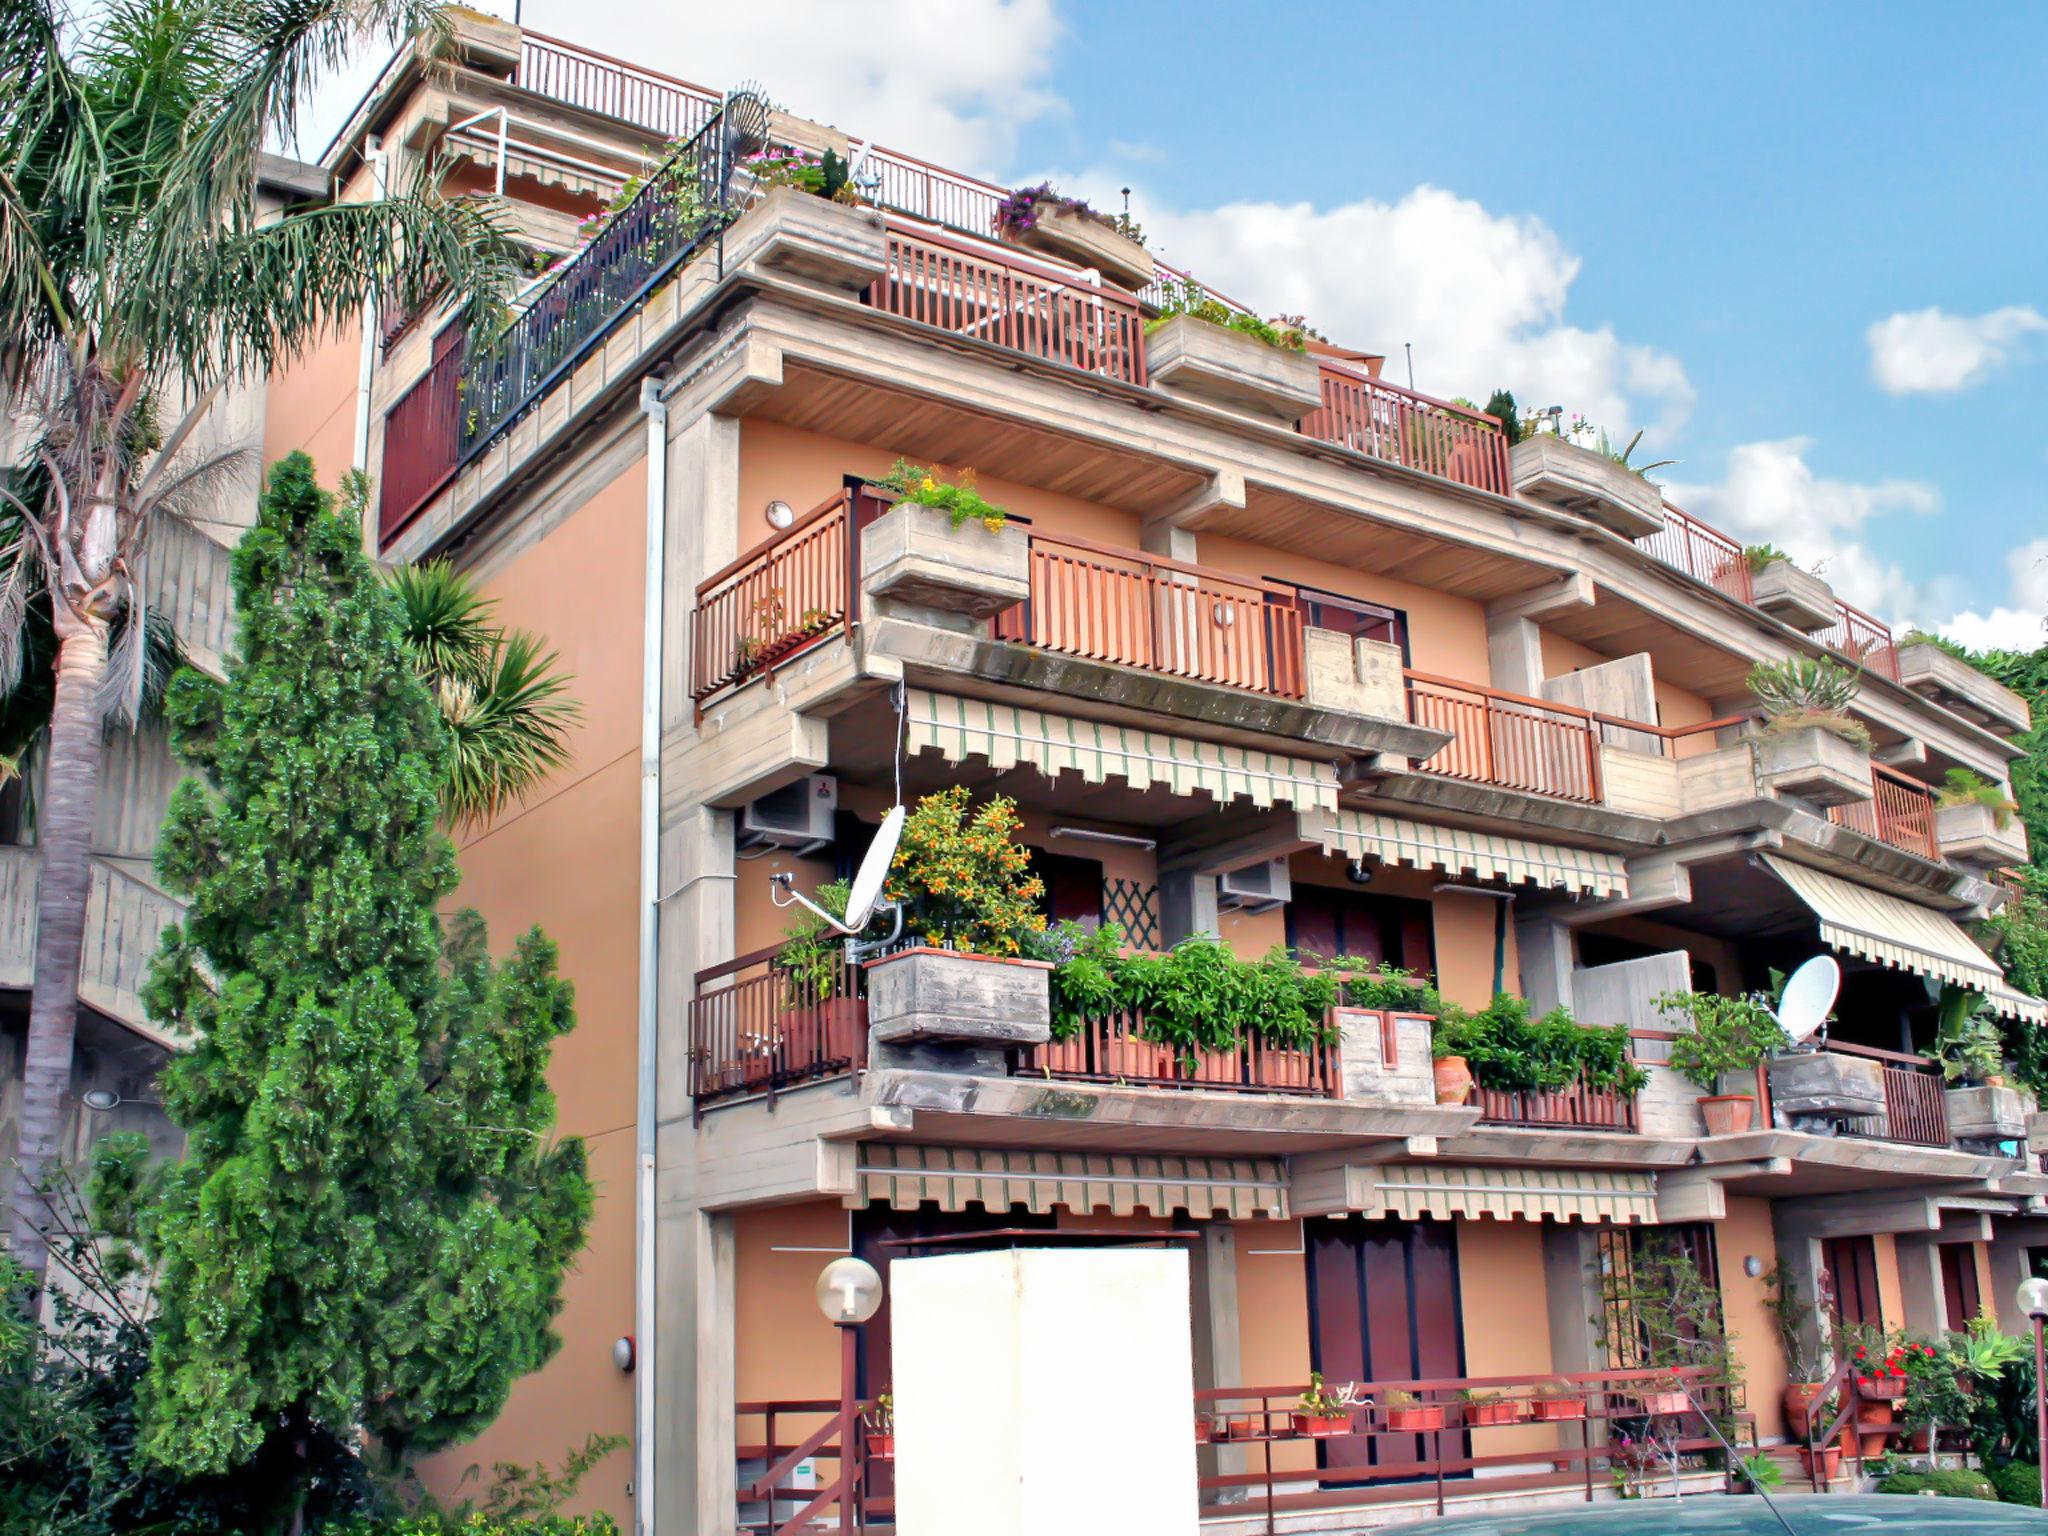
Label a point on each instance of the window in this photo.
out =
(1355, 617)
(1636, 1264)
(1073, 887)
(1392, 930)
(1959, 1283)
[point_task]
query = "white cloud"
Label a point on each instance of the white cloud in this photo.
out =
(1481, 296)
(1929, 351)
(2017, 624)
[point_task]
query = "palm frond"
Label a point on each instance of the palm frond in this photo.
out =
(510, 730)
(445, 621)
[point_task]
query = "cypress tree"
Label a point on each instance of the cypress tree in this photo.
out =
(370, 1225)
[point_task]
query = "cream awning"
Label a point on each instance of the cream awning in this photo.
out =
(2010, 1001)
(1895, 932)
(961, 728)
(1410, 1190)
(904, 1177)
(1457, 850)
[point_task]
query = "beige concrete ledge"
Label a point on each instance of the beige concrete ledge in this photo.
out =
(1547, 468)
(1971, 836)
(1215, 363)
(1792, 596)
(1813, 764)
(1934, 674)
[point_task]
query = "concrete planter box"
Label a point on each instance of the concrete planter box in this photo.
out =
(1986, 1114)
(1971, 835)
(1813, 764)
(1823, 1083)
(794, 233)
(1088, 243)
(1546, 468)
(936, 994)
(1934, 674)
(1354, 676)
(1371, 1074)
(2037, 1131)
(914, 554)
(1793, 596)
(1230, 368)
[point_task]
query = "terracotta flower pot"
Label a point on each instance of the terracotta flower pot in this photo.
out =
(1728, 1114)
(1479, 1414)
(1548, 1409)
(1453, 1079)
(1417, 1420)
(1830, 1462)
(1891, 1389)
(1202, 1430)
(1320, 1427)
(1874, 1410)
(882, 1447)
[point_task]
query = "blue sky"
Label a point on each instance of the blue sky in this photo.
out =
(1682, 218)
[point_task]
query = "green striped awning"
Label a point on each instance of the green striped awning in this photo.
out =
(998, 1179)
(1457, 850)
(960, 728)
(1412, 1190)
(1892, 931)
(2009, 1001)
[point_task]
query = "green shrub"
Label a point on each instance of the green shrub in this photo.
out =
(1954, 1483)
(1512, 1052)
(2017, 1482)
(479, 1524)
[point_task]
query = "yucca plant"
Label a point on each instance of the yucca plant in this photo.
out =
(1809, 691)
(138, 280)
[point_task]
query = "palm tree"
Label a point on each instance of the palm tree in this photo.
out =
(507, 708)
(136, 281)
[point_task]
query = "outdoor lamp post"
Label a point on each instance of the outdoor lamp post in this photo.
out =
(849, 1293)
(2033, 1300)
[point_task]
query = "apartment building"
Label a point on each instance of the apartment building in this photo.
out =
(1268, 648)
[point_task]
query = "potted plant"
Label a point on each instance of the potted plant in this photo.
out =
(1504, 1048)
(1811, 746)
(1659, 1402)
(1787, 593)
(1728, 1034)
(818, 1008)
(1879, 1371)
(1407, 1412)
(1934, 1393)
(1558, 1400)
(1484, 1408)
(1805, 1360)
(1324, 1411)
(1830, 1459)
(880, 1424)
(1967, 1044)
(1043, 219)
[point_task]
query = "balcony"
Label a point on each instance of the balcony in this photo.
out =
(756, 1030)
(1900, 811)
(1113, 1050)
(1508, 740)
(799, 589)
(1860, 1090)
(597, 82)
(1383, 421)
(1576, 1108)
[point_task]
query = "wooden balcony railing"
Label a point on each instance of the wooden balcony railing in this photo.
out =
(1915, 1106)
(597, 82)
(1119, 605)
(1110, 1050)
(1900, 811)
(1507, 739)
(422, 445)
(779, 599)
(1575, 1108)
(1011, 302)
(1706, 554)
(1864, 640)
(789, 1496)
(1382, 420)
(755, 1029)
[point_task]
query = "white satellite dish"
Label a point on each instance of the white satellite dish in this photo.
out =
(866, 890)
(1809, 997)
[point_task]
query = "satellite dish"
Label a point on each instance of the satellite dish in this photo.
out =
(1809, 997)
(863, 896)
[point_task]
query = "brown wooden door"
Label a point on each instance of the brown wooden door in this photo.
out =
(1383, 1306)
(1959, 1283)
(1386, 930)
(1851, 1262)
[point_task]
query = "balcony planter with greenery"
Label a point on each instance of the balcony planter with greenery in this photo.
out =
(1203, 347)
(944, 546)
(1728, 1035)
(1600, 486)
(970, 902)
(1506, 1050)
(816, 1000)
(1558, 1401)
(1785, 592)
(879, 1423)
(1482, 1408)
(1798, 1324)
(1324, 1412)
(1975, 822)
(1407, 1412)
(1810, 745)
(1041, 219)
(1968, 1046)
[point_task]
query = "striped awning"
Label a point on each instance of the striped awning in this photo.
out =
(996, 1179)
(2010, 1002)
(1895, 932)
(1456, 850)
(1410, 1190)
(960, 728)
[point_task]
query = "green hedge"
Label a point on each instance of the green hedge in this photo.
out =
(480, 1525)
(2017, 1482)
(1956, 1483)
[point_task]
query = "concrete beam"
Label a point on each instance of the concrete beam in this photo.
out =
(1656, 881)
(1571, 591)
(1858, 1215)
(1910, 753)
(1223, 491)
(1230, 840)
(1691, 1194)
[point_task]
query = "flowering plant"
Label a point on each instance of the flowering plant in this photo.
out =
(1323, 1402)
(958, 498)
(964, 881)
(1019, 211)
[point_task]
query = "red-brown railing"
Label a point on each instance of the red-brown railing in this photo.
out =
(772, 1503)
(1687, 544)
(1577, 1107)
(1864, 640)
(1507, 739)
(755, 1028)
(598, 82)
(1382, 420)
(1111, 1049)
(422, 438)
(776, 600)
(1583, 1408)
(1119, 605)
(1900, 811)
(1915, 1105)
(1013, 303)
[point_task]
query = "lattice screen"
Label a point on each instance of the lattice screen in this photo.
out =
(1135, 909)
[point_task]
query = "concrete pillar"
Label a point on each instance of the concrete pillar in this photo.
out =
(1922, 1297)
(1514, 654)
(1543, 952)
(2012, 1262)
(1168, 542)
(697, 876)
(696, 1492)
(1212, 1281)
(703, 536)
(1571, 1280)
(1187, 906)
(1799, 1269)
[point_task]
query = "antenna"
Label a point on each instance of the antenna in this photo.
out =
(862, 898)
(1809, 998)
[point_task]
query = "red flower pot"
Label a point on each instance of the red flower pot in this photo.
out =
(1481, 1414)
(1319, 1427)
(1728, 1114)
(1874, 1411)
(882, 1447)
(1830, 1462)
(1418, 1420)
(1554, 1408)
(1660, 1403)
(1453, 1075)
(1202, 1429)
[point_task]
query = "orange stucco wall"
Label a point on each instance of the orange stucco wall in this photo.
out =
(782, 1346)
(1891, 1297)
(1505, 1304)
(310, 404)
(567, 860)
(1753, 1334)
(1272, 1315)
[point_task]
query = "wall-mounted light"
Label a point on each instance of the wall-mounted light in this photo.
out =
(624, 1352)
(780, 514)
(1752, 1266)
(1226, 615)
(104, 1099)
(1358, 872)
(1123, 839)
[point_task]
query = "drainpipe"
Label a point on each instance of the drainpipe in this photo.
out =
(644, 1357)
(380, 173)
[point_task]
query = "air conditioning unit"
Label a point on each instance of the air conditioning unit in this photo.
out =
(797, 816)
(1256, 887)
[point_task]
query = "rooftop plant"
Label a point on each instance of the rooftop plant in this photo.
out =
(1511, 1051)
(1757, 556)
(1962, 787)
(1020, 212)
(1501, 404)
(1190, 298)
(1728, 1034)
(1803, 691)
(957, 498)
(964, 880)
